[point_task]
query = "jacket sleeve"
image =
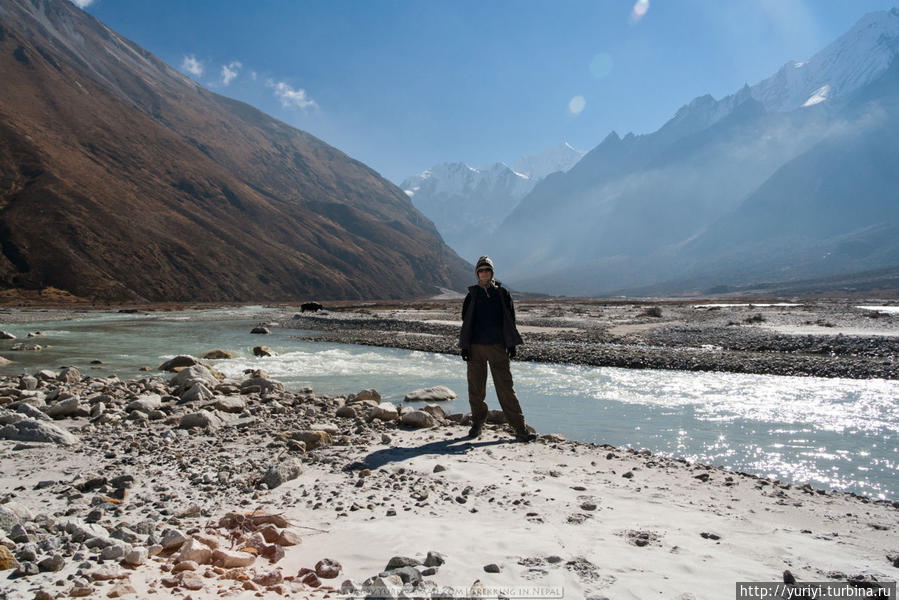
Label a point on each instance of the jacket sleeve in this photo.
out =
(465, 304)
(510, 303)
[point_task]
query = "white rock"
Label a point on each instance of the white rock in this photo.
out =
(231, 404)
(230, 559)
(70, 375)
(137, 556)
(202, 419)
(385, 411)
(435, 411)
(197, 393)
(145, 404)
(439, 393)
(282, 472)
(31, 430)
(418, 418)
(195, 551)
(191, 375)
(326, 427)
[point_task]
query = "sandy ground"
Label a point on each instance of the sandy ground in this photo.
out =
(558, 519)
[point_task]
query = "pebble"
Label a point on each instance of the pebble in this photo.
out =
(54, 562)
(327, 568)
(286, 470)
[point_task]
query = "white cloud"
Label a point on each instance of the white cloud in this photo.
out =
(82, 4)
(229, 72)
(191, 65)
(577, 104)
(290, 97)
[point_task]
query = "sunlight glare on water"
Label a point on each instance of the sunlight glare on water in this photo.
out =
(836, 433)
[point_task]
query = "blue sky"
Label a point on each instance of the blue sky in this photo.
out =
(402, 85)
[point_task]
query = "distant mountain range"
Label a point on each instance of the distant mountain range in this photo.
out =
(789, 179)
(122, 179)
(467, 204)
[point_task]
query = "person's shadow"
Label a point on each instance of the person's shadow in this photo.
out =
(396, 454)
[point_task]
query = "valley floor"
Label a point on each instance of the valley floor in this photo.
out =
(159, 500)
(819, 338)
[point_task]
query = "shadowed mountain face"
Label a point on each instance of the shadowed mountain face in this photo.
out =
(120, 178)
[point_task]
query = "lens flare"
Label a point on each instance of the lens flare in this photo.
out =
(641, 7)
(577, 104)
(601, 65)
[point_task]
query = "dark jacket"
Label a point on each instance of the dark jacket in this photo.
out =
(511, 337)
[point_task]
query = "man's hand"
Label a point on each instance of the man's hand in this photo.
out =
(465, 355)
(511, 351)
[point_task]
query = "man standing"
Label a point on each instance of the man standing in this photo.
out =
(489, 337)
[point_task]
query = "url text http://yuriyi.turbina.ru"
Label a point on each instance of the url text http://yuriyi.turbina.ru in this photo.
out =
(825, 590)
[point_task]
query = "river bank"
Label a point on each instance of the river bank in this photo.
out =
(155, 487)
(817, 338)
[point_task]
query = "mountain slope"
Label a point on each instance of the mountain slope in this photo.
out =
(757, 186)
(122, 178)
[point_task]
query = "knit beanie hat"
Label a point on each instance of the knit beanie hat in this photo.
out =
(484, 261)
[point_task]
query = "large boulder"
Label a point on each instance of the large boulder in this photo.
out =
(418, 418)
(197, 393)
(265, 385)
(261, 330)
(263, 351)
(231, 404)
(385, 411)
(196, 373)
(282, 472)
(70, 407)
(232, 559)
(5, 335)
(218, 355)
(177, 363)
(32, 412)
(70, 375)
(202, 419)
(438, 393)
(81, 531)
(145, 404)
(32, 430)
(195, 551)
(369, 394)
(435, 411)
(9, 417)
(311, 437)
(4, 361)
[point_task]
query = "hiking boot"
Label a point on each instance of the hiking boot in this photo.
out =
(525, 436)
(475, 431)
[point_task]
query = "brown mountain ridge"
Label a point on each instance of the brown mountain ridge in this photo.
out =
(122, 179)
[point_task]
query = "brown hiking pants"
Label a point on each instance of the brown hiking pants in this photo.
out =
(496, 356)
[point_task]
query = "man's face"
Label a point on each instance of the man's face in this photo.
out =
(485, 274)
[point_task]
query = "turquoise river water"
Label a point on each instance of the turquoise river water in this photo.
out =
(833, 433)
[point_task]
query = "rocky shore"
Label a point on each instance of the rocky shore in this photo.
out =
(817, 338)
(193, 485)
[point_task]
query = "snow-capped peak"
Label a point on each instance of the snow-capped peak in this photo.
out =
(558, 158)
(848, 63)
